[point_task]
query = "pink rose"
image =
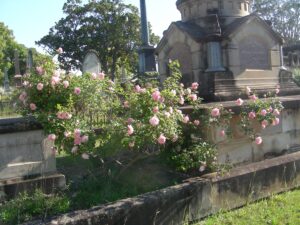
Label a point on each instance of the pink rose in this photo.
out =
(239, 102)
(258, 140)
(56, 73)
(155, 109)
(77, 140)
(55, 80)
(94, 76)
(130, 130)
(59, 50)
(59, 115)
(195, 86)
(270, 109)
(77, 133)
(51, 137)
(156, 96)
(32, 106)
(248, 90)
(193, 97)
(40, 70)
(167, 114)
(196, 122)
(23, 96)
(74, 150)
(202, 167)
(130, 121)
(137, 88)
(181, 100)
(101, 76)
(77, 90)
(66, 83)
(154, 121)
(264, 124)
(253, 97)
(222, 133)
(40, 86)
(182, 85)
(277, 91)
(162, 139)
(84, 139)
(215, 112)
(85, 156)
(67, 134)
(276, 121)
(263, 112)
(252, 115)
(170, 110)
(126, 104)
(186, 119)
(276, 112)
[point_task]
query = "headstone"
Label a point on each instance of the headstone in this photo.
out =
(29, 60)
(6, 81)
(91, 63)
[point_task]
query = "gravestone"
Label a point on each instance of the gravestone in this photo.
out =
(29, 60)
(6, 81)
(91, 63)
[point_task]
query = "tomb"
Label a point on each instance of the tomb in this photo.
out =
(225, 48)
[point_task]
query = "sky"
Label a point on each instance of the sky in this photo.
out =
(30, 20)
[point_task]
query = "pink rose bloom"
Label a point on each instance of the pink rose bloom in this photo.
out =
(84, 139)
(101, 76)
(32, 106)
(67, 116)
(186, 119)
(258, 140)
(59, 50)
(85, 156)
(66, 83)
(264, 124)
(59, 115)
(40, 70)
(239, 102)
(277, 91)
(222, 133)
(252, 115)
(67, 134)
(74, 150)
(196, 122)
(215, 112)
(51, 137)
(154, 121)
(23, 96)
(56, 73)
(181, 100)
(137, 88)
(55, 80)
(77, 133)
(248, 90)
(182, 85)
(195, 86)
(270, 109)
(40, 86)
(170, 110)
(77, 140)
(77, 90)
(130, 130)
(253, 97)
(263, 112)
(94, 76)
(193, 97)
(276, 112)
(130, 121)
(126, 104)
(276, 121)
(131, 144)
(156, 96)
(162, 139)
(202, 167)
(155, 109)
(167, 114)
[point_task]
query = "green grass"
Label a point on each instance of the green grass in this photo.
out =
(280, 209)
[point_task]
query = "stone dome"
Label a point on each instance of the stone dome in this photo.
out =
(227, 9)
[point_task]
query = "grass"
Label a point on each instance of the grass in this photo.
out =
(280, 209)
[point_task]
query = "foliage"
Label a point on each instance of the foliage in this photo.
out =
(296, 76)
(279, 209)
(25, 207)
(284, 16)
(109, 27)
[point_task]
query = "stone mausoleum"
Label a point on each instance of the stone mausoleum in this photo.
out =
(225, 48)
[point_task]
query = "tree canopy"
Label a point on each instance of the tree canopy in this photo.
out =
(284, 16)
(109, 27)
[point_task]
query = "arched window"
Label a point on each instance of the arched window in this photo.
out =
(254, 54)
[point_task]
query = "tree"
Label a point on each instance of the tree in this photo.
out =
(284, 16)
(109, 27)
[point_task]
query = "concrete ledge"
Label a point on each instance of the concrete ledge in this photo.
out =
(47, 183)
(18, 125)
(195, 198)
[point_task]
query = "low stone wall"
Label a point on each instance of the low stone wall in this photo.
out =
(25, 154)
(195, 198)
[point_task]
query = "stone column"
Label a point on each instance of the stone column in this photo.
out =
(214, 57)
(29, 61)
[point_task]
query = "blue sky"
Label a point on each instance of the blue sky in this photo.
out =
(30, 20)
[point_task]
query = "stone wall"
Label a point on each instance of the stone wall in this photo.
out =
(195, 198)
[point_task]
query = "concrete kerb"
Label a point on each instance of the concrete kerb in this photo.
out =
(194, 199)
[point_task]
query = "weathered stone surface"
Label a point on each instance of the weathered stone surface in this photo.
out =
(195, 198)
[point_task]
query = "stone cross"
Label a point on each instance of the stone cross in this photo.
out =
(17, 63)
(91, 63)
